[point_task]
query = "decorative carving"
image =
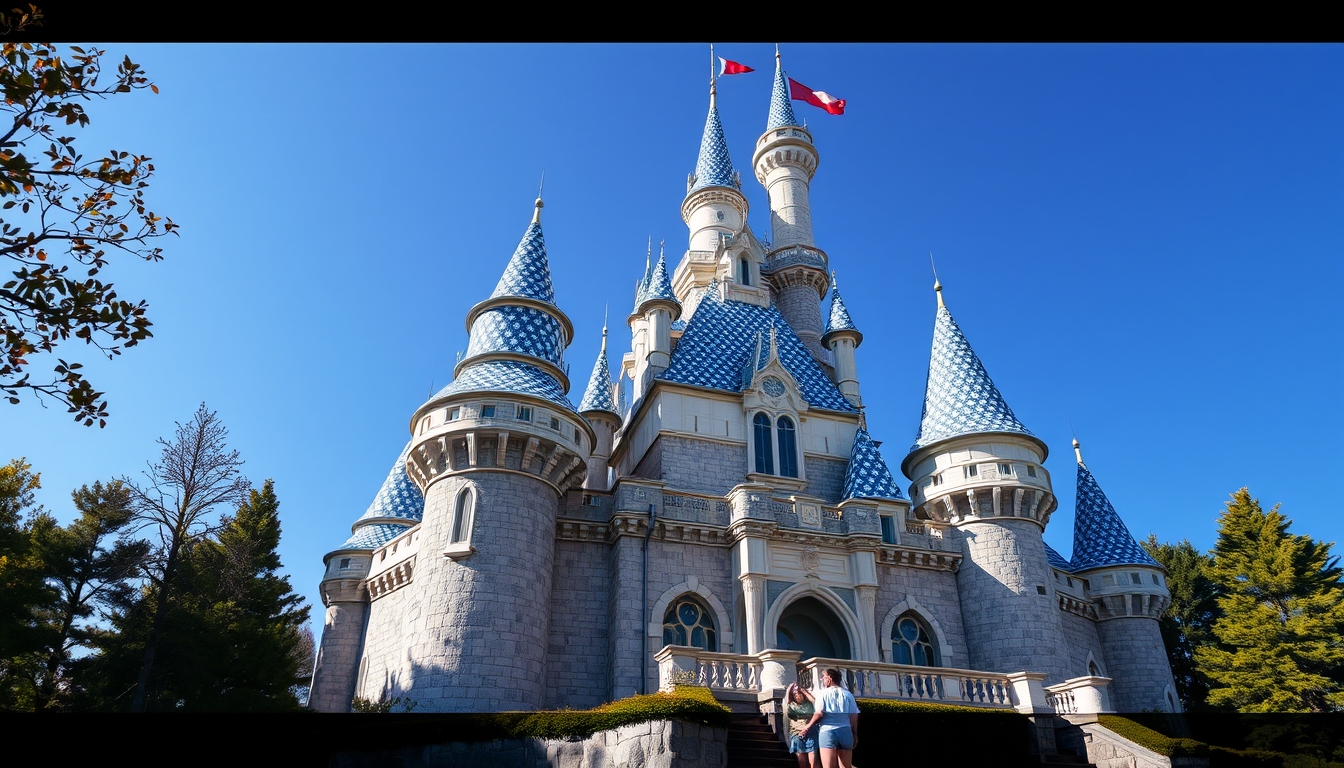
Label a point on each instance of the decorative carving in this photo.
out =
(811, 561)
(809, 515)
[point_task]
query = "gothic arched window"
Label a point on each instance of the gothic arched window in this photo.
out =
(912, 643)
(788, 447)
(462, 515)
(689, 622)
(1093, 669)
(743, 272)
(765, 458)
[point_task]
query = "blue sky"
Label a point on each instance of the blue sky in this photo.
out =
(1142, 240)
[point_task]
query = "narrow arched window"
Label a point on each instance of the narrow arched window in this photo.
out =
(689, 622)
(912, 643)
(765, 459)
(743, 272)
(462, 518)
(1093, 669)
(788, 447)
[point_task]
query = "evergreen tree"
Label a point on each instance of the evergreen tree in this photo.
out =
(1188, 621)
(22, 588)
(1280, 646)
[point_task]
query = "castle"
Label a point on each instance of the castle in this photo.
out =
(732, 517)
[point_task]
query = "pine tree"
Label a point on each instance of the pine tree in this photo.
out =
(1280, 647)
(1188, 621)
(23, 591)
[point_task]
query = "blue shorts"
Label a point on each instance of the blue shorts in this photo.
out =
(805, 743)
(836, 738)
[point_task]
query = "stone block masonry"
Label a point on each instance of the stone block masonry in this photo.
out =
(338, 657)
(1138, 665)
(576, 654)
(698, 466)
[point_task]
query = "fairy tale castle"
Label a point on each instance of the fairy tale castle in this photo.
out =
(732, 511)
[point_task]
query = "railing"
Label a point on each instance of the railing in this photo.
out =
(1062, 702)
(1080, 696)
(728, 672)
(902, 681)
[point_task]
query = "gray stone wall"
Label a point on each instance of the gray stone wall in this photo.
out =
(670, 564)
(337, 657)
(1080, 638)
(936, 592)
(657, 744)
(625, 626)
(801, 307)
(479, 626)
(825, 477)
(700, 466)
(389, 671)
(1137, 664)
(1010, 625)
(651, 465)
(576, 656)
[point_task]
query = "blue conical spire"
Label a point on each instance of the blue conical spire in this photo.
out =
(713, 168)
(867, 476)
(642, 286)
(781, 107)
(839, 319)
(529, 273)
(959, 396)
(397, 506)
(659, 285)
(1100, 537)
(598, 396)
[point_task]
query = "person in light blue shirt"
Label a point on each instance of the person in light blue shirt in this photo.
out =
(838, 716)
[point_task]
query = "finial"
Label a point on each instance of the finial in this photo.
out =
(1077, 451)
(937, 286)
(661, 247)
(536, 214)
(776, 54)
(713, 76)
(604, 336)
(648, 256)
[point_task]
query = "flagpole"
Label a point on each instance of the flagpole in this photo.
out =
(713, 70)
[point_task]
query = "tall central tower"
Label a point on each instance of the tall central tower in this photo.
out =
(785, 161)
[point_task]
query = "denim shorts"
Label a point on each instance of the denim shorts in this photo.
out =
(836, 738)
(805, 743)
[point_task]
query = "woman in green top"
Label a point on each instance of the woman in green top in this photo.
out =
(802, 739)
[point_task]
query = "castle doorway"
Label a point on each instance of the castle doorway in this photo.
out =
(808, 625)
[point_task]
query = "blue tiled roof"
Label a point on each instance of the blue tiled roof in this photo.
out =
(508, 376)
(528, 273)
(959, 397)
(643, 285)
(525, 330)
(839, 319)
(598, 396)
(373, 536)
(720, 339)
(659, 285)
(398, 497)
(1100, 538)
(1057, 560)
(781, 107)
(713, 168)
(679, 324)
(868, 476)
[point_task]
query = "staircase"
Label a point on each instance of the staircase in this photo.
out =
(752, 744)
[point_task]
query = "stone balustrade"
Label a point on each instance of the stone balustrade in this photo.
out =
(770, 671)
(943, 685)
(1080, 696)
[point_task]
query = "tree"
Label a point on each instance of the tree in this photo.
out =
(1188, 621)
(1280, 647)
(22, 588)
(90, 565)
(196, 473)
(64, 217)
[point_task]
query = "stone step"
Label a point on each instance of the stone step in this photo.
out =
(752, 744)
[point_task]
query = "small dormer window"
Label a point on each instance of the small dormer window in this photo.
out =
(345, 563)
(487, 411)
(938, 479)
(524, 413)
(1031, 471)
(555, 424)
(1155, 581)
(972, 470)
(1135, 578)
(743, 271)
(454, 413)
(1006, 470)
(888, 529)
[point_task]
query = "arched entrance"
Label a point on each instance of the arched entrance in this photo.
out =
(810, 626)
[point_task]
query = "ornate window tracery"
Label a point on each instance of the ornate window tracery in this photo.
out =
(912, 642)
(688, 622)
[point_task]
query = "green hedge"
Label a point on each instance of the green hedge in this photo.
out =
(1147, 737)
(1219, 757)
(887, 705)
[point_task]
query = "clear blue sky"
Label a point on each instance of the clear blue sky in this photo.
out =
(1145, 240)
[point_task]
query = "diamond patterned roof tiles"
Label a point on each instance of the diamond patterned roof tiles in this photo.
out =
(508, 376)
(781, 107)
(525, 330)
(713, 167)
(839, 319)
(398, 497)
(528, 274)
(720, 339)
(868, 476)
(1057, 560)
(1100, 537)
(598, 395)
(659, 285)
(373, 536)
(959, 396)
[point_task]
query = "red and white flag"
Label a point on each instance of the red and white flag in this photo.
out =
(727, 67)
(826, 101)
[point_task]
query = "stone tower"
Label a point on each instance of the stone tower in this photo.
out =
(785, 161)
(599, 406)
(842, 337)
(492, 453)
(975, 466)
(1130, 593)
